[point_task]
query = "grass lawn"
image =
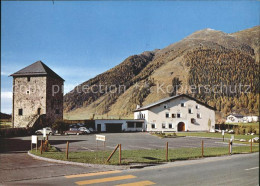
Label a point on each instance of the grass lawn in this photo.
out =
(145, 156)
(254, 124)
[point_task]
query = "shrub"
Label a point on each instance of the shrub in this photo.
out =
(60, 125)
(12, 132)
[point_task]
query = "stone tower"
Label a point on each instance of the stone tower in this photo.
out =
(37, 96)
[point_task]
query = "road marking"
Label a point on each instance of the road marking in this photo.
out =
(92, 174)
(252, 168)
(140, 183)
(102, 180)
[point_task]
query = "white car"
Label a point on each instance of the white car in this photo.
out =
(49, 131)
(84, 129)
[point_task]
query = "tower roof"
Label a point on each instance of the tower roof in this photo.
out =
(36, 69)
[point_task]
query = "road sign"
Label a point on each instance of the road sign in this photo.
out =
(44, 132)
(223, 132)
(100, 138)
(34, 139)
(232, 137)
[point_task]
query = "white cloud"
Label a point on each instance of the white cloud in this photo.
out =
(4, 73)
(6, 102)
(6, 95)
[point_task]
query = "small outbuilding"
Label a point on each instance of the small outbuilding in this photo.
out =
(119, 125)
(235, 118)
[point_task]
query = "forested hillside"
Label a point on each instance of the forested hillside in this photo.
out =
(206, 60)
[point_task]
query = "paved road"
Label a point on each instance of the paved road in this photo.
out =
(132, 141)
(228, 170)
(129, 141)
(15, 164)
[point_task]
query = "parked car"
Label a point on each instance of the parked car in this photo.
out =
(85, 130)
(49, 131)
(91, 129)
(73, 131)
(76, 125)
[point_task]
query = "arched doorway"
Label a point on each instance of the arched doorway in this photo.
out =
(181, 126)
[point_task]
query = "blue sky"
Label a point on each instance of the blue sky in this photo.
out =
(81, 39)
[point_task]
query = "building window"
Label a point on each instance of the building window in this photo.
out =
(179, 115)
(167, 115)
(163, 125)
(198, 115)
(182, 104)
(20, 112)
(57, 111)
(173, 115)
(165, 106)
(28, 79)
(153, 126)
(193, 120)
(142, 116)
(28, 92)
(139, 125)
(190, 111)
(170, 125)
(130, 125)
(39, 111)
(197, 106)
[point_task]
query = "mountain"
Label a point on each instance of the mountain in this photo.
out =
(206, 58)
(5, 116)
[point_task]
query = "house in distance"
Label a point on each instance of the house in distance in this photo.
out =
(37, 96)
(177, 113)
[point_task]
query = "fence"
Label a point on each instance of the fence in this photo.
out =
(156, 155)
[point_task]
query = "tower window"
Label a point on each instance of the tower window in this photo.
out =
(28, 79)
(20, 112)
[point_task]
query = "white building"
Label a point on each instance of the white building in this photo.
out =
(249, 119)
(235, 118)
(119, 125)
(177, 113)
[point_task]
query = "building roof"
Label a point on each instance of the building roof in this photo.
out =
(36, 69)
(172, 98)
(236, 115)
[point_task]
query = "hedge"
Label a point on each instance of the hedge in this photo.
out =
(12, 132)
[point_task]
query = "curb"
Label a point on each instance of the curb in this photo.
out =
(77, 163)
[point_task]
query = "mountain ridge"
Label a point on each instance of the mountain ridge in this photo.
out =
(162, 66)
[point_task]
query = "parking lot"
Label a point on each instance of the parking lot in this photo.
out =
(129, 141)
